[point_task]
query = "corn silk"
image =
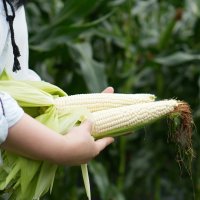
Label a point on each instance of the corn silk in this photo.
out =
(23, 178)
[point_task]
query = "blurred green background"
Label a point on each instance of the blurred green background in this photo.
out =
(136, 46)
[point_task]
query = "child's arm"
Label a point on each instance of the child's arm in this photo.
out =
(32, 139)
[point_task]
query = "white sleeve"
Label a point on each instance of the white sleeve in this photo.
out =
(10, 114)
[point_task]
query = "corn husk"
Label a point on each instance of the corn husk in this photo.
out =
(22, 177)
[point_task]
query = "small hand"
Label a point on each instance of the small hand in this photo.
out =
(82, 145)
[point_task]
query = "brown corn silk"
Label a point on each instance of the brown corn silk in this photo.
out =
(181, 126)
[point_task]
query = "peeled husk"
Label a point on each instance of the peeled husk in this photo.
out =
(21, 177)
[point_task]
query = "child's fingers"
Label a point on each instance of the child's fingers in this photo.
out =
(108, 90)
(104, 142)
(87, 125)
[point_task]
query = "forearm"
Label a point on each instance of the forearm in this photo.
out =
(32, 139)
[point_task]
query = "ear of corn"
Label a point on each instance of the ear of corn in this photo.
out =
(121, 120)
(96, 101)
(43, 104)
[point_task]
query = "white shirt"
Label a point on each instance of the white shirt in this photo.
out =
(21, 38)
(13, 112)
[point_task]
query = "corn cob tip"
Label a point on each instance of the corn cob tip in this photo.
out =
(153, 97)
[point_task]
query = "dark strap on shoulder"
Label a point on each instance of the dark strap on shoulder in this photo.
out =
(2, 106)
(10, 19)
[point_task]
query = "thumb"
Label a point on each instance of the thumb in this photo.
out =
(108, 90)
(87, 125)
(103, 143)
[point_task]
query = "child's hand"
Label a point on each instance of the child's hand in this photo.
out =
(81, 145)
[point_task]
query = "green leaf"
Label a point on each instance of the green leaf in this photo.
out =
(48, 39)
(75, 9)
(100, 177)
(92, 71)
(106, 189)
(177, 59)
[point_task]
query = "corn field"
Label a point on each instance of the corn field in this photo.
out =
(136, 46)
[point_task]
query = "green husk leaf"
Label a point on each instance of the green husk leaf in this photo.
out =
(45, 179)
(25, 94)
(47, 87)
(24, 178)
(4, 76)
(86, 180)
(27, 174)
(11, 175)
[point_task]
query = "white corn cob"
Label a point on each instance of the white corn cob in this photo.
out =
(101, 101)
(117, 121)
